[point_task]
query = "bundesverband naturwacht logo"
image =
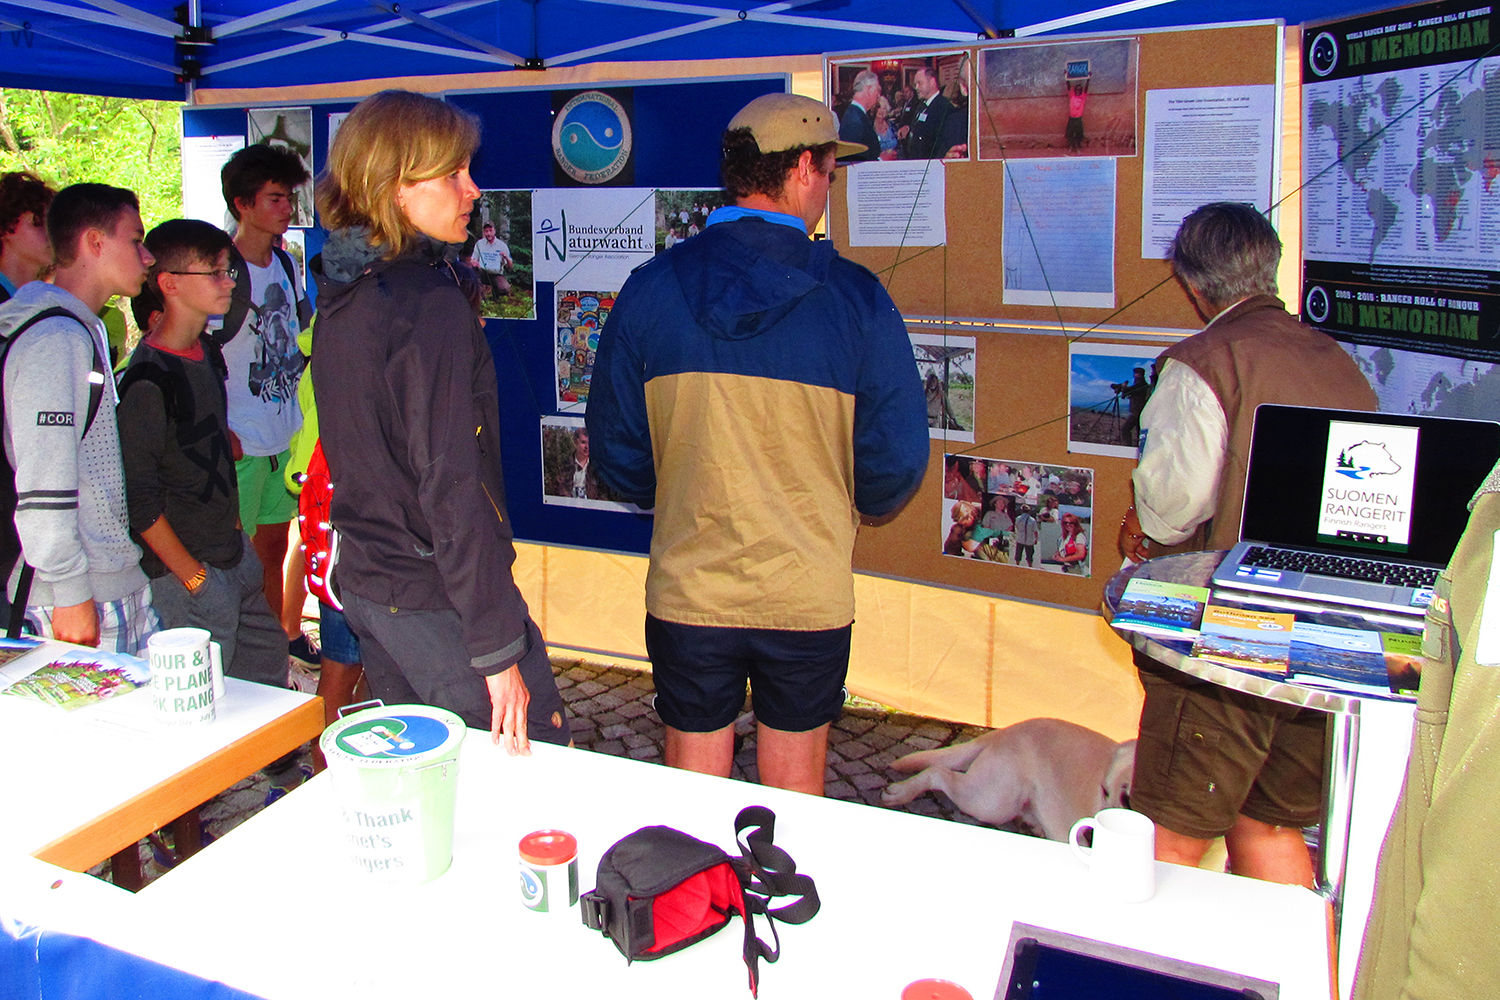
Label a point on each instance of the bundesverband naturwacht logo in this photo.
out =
(591, 137)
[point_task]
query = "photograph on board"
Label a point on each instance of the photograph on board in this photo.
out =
(580, 317)
(1024, 514)
(946, 365)
(568, 477)
(1058, 99)
(499, 251)
(903, 107)
(289, 128)
(683, 212)
(1108, 387)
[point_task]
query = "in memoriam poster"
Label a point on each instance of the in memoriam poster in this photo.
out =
(1401, 204)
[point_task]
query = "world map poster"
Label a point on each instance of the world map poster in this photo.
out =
(1401, 167)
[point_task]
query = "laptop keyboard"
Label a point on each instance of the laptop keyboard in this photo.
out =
(1393, 574)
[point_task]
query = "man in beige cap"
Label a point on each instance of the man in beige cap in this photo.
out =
(759, 391)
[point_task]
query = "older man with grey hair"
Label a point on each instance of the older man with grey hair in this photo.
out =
(1212, 762)
(858, 121)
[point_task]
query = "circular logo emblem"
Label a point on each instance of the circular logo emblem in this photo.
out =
(1318, 306)
(591, 137)
(532, 888)
(1323, 54)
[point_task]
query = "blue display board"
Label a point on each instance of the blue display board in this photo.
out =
(676, 132)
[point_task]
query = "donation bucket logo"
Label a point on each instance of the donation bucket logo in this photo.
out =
(591, 137)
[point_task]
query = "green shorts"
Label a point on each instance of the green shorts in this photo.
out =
(263, 494)
(1207, 754)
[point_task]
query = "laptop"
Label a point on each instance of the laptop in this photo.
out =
(1354, 508)
(1046, 964)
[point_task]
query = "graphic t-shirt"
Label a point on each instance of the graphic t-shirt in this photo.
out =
(265, 364)
(491, 256)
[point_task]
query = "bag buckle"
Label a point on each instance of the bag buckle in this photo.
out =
(594, 909)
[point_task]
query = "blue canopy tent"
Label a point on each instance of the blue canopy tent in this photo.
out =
(159, 49)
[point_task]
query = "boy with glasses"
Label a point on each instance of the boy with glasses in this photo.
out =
(179, 472)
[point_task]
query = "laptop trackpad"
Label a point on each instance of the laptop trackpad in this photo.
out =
(1352, 589)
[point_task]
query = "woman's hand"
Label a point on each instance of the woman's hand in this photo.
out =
(509, 700)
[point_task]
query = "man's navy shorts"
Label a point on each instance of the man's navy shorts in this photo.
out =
(796, 678)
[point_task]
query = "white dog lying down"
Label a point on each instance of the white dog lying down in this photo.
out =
(1047, 772)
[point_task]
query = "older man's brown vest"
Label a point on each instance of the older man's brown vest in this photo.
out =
(1257, 353)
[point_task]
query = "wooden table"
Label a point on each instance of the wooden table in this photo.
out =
(80, 786)
(904, 897)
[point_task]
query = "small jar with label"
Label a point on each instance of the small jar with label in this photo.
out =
(549, 873)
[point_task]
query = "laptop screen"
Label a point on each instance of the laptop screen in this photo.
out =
(1373, 484)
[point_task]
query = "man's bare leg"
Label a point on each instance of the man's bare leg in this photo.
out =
(1179, 849)
(706, 753)
(1271, 853)
(794, 761)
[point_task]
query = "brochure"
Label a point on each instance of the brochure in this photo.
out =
(1156, 607)
(1403, 661)
(1327, 656)
(1251, 640)
(82, 677)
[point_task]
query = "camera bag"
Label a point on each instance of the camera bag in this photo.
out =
(660, 890)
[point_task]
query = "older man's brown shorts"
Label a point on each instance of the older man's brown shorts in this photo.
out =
(1208, 754)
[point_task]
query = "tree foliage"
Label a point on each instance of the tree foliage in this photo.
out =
(69, 138)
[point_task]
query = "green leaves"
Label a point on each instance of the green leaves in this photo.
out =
(69, 138)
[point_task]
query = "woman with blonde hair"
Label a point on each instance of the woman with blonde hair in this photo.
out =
(407, 402)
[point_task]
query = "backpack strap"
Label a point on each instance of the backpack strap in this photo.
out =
(239, 302)
(767, 872)
(10, 539)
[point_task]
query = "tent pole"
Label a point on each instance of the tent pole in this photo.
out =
(195, 20)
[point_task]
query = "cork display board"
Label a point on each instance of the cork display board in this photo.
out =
(1017, 379)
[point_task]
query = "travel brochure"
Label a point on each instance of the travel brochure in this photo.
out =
(1248, 640)
(81, 677)
(1159, 608)
(1266, 642)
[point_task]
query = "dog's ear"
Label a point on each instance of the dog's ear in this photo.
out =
(1118, 777)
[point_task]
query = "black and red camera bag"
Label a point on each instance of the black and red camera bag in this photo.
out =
(660, 890)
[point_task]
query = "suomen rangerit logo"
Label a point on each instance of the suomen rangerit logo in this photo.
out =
(591, 137)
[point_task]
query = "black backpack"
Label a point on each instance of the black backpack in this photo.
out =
(239, 303)
(10, 540)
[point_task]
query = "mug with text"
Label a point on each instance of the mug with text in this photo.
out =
(187, 675)
(1122, 862)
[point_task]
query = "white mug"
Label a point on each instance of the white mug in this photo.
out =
(187, 675)
(1122, 862)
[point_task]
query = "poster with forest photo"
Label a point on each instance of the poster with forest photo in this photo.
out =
(499, 250)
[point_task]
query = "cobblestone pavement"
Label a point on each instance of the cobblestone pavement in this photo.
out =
(611, 713)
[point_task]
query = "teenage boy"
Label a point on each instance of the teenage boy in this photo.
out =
(179, 473)
(259, 340)
(60, 431)
(25, 251)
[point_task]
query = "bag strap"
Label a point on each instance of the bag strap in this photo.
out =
(767, 872)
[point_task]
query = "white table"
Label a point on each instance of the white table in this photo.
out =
(79, 786)
(904, 898)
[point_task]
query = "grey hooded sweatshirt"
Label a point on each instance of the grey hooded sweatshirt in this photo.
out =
(70, 486)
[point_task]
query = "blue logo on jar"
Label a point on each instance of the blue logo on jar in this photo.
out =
(533, 889)
(591, 137)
